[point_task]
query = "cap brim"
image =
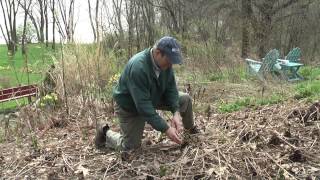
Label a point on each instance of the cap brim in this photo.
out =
(176, 59)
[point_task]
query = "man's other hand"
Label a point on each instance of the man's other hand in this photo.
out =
(176, 122)
(173, 134)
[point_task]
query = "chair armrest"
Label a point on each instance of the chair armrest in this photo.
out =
(251, 61)
(277, 67)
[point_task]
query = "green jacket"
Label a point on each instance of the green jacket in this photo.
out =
(139, 90)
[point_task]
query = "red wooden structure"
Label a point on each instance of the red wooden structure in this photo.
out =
(18, 92)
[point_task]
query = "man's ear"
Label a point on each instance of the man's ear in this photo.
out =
(157, 51)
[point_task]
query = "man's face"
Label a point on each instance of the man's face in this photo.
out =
(162, 60)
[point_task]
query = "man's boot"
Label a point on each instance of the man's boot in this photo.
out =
(100, 138)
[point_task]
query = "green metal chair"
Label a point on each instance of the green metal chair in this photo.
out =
(264, 68)
(294, 55)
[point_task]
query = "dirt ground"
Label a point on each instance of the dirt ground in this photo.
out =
(269, 142)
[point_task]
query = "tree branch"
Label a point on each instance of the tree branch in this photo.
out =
(3, 34)
(5, 20)
(283, 6)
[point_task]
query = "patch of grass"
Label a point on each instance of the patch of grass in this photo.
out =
(12, 105)
(310, 73)
(273, 99)
(216, 77)
(230, 74)
(249, 102)
(14, 73)
(13, 67)
(235, 106)
(17, 77)
(308, 89)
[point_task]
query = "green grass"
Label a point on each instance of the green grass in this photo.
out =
(308, 89)
(13, 69)
(230, 74)
(12, 105)
(236, 105)
(310, 73)
(249, 102)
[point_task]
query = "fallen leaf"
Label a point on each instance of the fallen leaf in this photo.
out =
(83, 170)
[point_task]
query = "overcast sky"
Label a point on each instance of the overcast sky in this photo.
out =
(83, 31)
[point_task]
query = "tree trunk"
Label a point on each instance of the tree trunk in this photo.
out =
(71, 22)
(46, 21)
(148, 16)
(41, 8)
(263, 35)
(91, 23)
(53, 24)
(23, 48)
(117, 7)
(138, 36)
(66, 23)
(10, 10)
(130, 10)
(245, 28)
(97, 20)
(34, 22)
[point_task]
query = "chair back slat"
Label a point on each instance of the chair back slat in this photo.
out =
(269, 61)
(294, 55)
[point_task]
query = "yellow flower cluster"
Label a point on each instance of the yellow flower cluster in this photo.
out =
(4, 68)
(114, 79)
(49, 99)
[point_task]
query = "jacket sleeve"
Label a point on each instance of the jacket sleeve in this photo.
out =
(171, 94)
(140, 93)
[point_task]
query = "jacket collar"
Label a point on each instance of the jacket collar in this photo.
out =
(150, 64)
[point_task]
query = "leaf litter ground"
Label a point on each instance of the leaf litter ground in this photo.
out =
(262, 143)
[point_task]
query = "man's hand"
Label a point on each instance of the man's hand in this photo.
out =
(176, 122)
(173, 134)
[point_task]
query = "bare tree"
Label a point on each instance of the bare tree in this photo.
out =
(41, 23)
(262, 20)
(38, 16)
(23, 48)
(117, 8)
(33, 19)
(46, 21)
(246, 13)
(52, 7)
(138, 23)
(10, 10)
(149, 21)
(27, 5)
(65, 22)
(94, 23)
(255, 24)
(129, 12)
(314, 30)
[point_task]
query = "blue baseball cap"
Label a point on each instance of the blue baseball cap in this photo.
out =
(170, 47)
